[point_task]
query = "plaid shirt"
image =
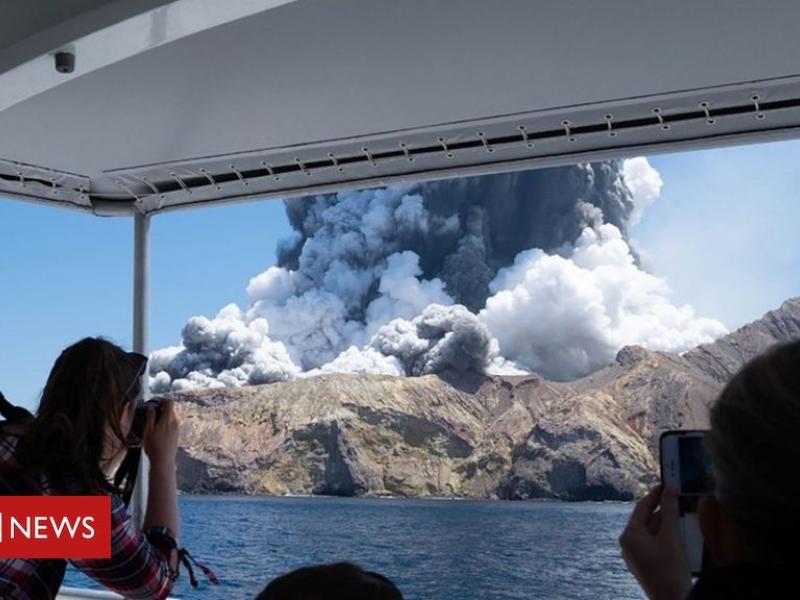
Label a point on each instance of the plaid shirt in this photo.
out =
(139, 565)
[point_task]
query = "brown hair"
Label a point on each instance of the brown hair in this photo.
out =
(338, 581)
(85, 393)
(754, 445)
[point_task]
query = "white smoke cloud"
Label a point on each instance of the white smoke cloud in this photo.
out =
(227, 351)
(566, 316)
(362, 361)
(402, 293)
(314, 326)
(323, 306)
(644, 183)
(274, 284)
(378, 281)
(441, 338)
(500, 365)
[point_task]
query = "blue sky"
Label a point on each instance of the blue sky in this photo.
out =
(723, 234)
(725, 231)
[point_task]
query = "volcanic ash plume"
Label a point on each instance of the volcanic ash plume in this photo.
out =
(504, 273)
(568, 315)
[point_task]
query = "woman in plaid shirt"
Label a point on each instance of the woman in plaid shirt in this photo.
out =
(71, 447)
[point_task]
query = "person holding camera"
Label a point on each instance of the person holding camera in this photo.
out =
(751, 523)
(73, 446)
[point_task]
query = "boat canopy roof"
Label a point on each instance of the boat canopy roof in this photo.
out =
(195, 102)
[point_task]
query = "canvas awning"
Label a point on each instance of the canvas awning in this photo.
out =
(192, 102)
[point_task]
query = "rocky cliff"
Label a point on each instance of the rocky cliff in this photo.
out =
(461, 435)
(724, 357)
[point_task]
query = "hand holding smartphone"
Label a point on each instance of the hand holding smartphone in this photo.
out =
(685, 467)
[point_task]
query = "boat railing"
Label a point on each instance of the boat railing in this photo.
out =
(70, 593)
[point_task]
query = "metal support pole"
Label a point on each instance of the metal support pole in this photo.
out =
(141, 321)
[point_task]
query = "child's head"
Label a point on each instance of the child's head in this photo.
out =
(338, 581)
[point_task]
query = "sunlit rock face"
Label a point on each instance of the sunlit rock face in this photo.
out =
(461, 434)
(724, 357)
(442, 435)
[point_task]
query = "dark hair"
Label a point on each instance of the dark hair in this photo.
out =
(85, 393)
(337, 581)
(754, 445)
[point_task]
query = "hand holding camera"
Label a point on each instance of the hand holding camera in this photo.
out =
(155, 428)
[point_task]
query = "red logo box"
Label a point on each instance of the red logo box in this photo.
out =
(55, 526)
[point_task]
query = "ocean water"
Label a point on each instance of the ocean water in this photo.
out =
(432, 549)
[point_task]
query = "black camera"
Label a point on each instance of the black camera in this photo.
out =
(139, 418)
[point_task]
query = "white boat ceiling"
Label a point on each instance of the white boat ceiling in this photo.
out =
(174, 104)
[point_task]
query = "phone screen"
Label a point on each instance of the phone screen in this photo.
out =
(694, 466)
(685, 466)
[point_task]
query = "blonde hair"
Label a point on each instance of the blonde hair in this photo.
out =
(754, 445)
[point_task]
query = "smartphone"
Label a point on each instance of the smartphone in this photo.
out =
(685, 467)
